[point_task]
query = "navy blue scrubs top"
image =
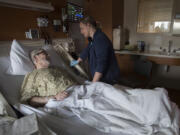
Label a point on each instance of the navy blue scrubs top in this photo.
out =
(101, 57)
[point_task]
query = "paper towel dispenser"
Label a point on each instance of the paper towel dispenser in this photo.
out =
(117, 39)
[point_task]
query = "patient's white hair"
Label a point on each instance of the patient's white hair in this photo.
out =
(36, 52)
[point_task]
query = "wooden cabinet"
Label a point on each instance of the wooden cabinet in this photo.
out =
(125, 63)
(154, 16)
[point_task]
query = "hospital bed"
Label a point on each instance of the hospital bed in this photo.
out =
(10, 86)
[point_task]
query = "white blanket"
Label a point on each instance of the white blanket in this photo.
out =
(111, 110)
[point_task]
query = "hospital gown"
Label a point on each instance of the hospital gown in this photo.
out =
(45, 82)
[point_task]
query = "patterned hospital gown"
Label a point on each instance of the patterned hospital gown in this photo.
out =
(45, 82)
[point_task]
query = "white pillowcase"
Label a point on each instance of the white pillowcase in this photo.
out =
(20, 60)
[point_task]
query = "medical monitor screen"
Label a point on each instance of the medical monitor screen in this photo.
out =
(75, 12)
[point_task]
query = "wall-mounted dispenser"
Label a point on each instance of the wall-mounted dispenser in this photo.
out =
(117, 38)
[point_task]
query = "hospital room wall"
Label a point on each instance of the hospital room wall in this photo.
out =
(101, 10)
(108, 12)
(14, 22)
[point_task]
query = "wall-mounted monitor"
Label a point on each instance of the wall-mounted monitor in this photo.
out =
(75, 12)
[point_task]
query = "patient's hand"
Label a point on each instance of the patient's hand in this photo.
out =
(61, 95)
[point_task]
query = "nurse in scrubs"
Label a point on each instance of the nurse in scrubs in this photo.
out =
(99, 52)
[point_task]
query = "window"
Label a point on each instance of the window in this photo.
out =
(154, 16)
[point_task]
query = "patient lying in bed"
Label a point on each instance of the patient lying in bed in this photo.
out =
(44, 82)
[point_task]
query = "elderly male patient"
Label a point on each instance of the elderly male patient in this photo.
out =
(44, 82)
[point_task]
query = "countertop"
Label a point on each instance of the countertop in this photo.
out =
(150, 53)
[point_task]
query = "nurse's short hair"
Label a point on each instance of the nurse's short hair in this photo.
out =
(89, 20)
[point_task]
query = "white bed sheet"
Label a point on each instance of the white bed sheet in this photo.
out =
(112, 110)
(69, 124)
(63, 121)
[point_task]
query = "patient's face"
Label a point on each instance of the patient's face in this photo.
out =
(42, 60)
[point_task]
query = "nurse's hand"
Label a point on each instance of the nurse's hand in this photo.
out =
(74, 62)
(97, 77)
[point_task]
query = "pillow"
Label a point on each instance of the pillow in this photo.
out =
(20, 64)
(20, 60)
